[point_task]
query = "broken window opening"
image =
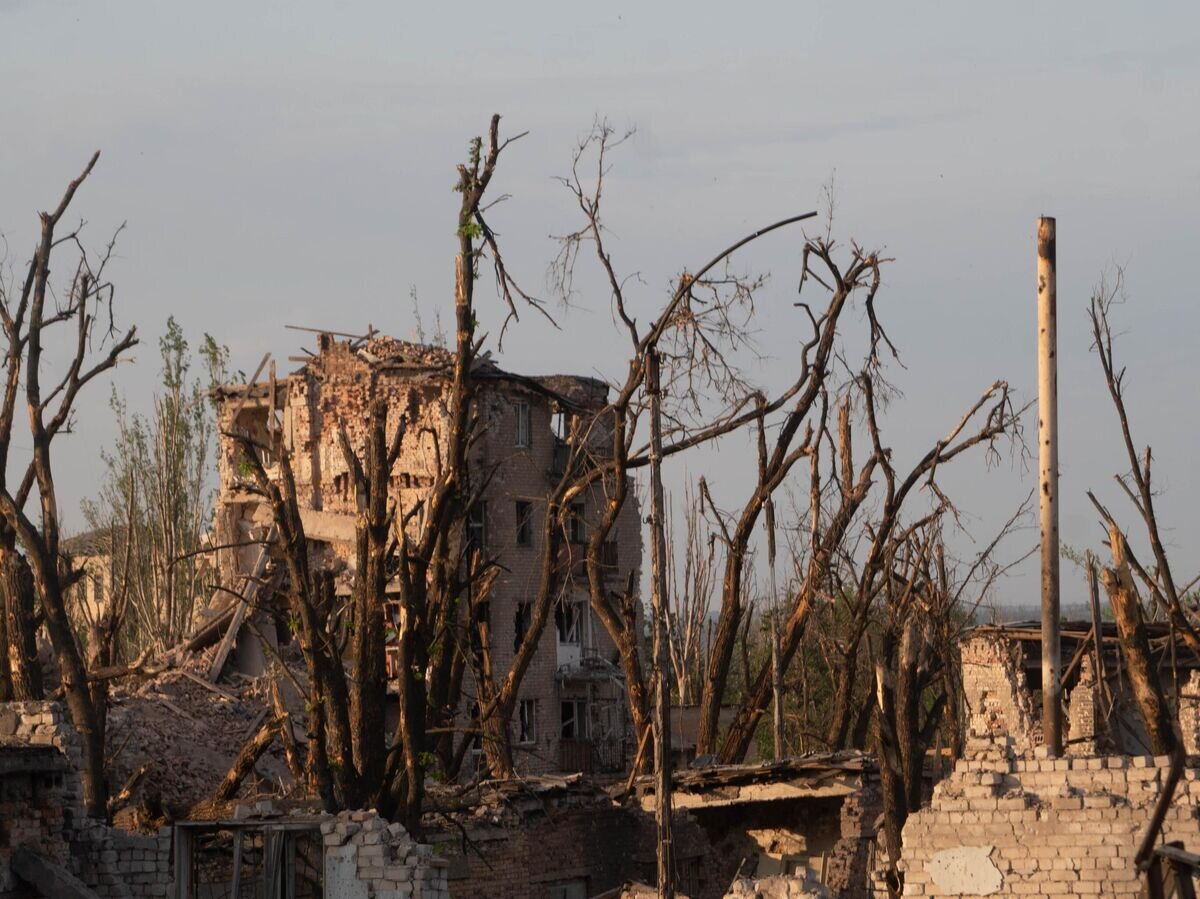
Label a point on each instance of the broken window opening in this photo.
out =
(569, 617)
(524, 435)
(341, 486)
(560, 425)
(524, 523)
(523, 621)
(527, 721)
(574, 719)
(575, 888)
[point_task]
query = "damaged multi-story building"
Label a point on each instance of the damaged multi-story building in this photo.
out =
(571, 713)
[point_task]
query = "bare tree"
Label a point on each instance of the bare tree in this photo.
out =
(691, 601)
(30, 314)
(1166, 597)
(1167, 600)
(695, 334)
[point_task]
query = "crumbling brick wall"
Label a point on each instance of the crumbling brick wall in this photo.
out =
(368, 858)
(1005, 825)
(1083, 734)
(1189, 713)
(995, 691)
(848, 873)
(48, 817)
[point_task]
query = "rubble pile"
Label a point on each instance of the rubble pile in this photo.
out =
(189, 732)
(803, 885)
(506, 803)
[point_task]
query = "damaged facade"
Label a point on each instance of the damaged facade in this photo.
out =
(571, 712)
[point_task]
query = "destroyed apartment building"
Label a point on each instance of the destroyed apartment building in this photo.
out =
(571, 713)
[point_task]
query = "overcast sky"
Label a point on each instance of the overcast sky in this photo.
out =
(291, 163)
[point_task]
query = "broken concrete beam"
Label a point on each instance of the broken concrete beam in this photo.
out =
(48, 878)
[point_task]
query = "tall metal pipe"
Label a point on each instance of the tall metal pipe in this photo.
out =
(1048, 483)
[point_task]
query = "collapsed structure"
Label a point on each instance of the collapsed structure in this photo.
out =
(1011, 819)
(1001, 672)
(571, 712)
(808, 822)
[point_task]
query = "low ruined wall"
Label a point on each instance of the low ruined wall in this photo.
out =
(367, 857)
(121, 865)
(1001, 825)
(48, 817)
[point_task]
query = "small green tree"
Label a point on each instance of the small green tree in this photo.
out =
(157, 497)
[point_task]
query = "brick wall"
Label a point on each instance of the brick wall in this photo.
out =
(47, 816)
(1002, 824)
(994, 689)
(368, 858)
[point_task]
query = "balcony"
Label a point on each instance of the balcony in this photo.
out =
(604, 755)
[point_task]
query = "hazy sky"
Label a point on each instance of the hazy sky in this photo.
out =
(292, 163)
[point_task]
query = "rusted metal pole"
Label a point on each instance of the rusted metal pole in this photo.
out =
(1048, 483)
(658, 600)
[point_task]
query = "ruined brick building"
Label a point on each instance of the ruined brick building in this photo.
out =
(571, 713)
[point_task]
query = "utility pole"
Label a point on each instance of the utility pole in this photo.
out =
(1047, 289)
(658, 604)
(776, 668)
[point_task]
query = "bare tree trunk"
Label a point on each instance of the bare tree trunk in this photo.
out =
(245, 761)
(21, 662)
(891, 766)
(1135, 649)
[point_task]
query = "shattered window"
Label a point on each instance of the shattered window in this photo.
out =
(524, 523)
(574, 720)
(569, 619)
(523, 434)
(576, 528)
(527, 721)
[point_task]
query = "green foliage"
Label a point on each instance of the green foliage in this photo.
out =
(157, 495)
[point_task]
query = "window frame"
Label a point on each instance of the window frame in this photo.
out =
(523, 436)
(477, 530)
